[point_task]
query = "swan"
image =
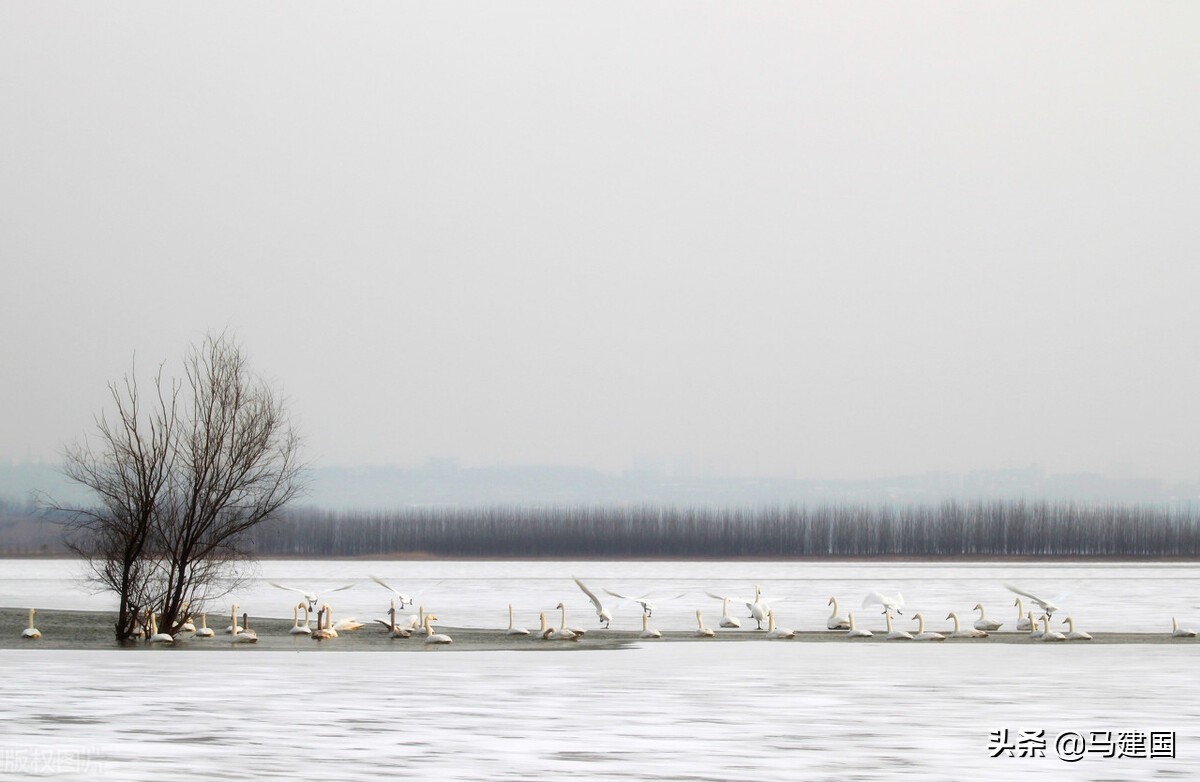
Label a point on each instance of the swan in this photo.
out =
(234, 628)
(204, 631)
(964, 632)
(323, 631)
(393, 630)
(563, 626)
(246, 636)
(188, 626)
(348, 625)
(1176, 630)
(297, 628)
(759, 608)
(896, 635)
(344, 626)
(702, 631)
(548, 633)
(416, 622)
(432, 637)
(646, 631)
(155, 636)
(511, 629)
(889, 603)
(1023, 621)
(1073, 634)
(726, 619)
(835, 622)
(1035, 631)
(774, 632)
(922, 633)
(643, 601)
(854, 632)
(983, 623)
(31, 632)
(311, 597)
(405, 597)
(1047, 633)
(601, 611)
(1046, 605)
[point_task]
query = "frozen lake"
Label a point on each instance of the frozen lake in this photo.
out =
(654, 711)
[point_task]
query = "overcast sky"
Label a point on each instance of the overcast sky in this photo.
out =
(826, 240)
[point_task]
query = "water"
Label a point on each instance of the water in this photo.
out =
(673, 710)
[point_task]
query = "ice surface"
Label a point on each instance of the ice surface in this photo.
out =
(677, 711)
(693, 711)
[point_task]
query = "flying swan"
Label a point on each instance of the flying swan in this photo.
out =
(1046, 605)
(602, 612)
(890, 603)
(311, 597)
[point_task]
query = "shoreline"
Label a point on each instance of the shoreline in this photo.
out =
(420, 556)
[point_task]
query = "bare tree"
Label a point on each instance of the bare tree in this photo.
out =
(181, 484)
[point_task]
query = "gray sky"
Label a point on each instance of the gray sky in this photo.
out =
(802, 239)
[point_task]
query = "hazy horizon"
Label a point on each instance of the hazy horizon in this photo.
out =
(816, 241)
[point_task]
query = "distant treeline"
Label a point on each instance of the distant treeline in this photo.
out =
(951, 529)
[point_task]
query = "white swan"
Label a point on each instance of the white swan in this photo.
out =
(155, 636)
(415, 623)
(835, 622)
(1047, 633)
(1046, 605)
(854, 632)
(1176, 630)
(726, 619)
(297, 628)
(311, 597)
(983, 623)
(188, 626)
(244, 635)
(643, 601)
(346, 625)
(548, 633)
(563, 626)
(432, 637)
(646, 631)
(922, 633)
(759, 608)
(323, 632)
(234, 628)
(602, 612)
(204, 631)
(964, 632)
(1023, 621)
(774, 632)
(31, 632)
(888, 602)
(512, 630)
(895, 635)
(702, 631)
(1073, 634)
(1035, 630)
